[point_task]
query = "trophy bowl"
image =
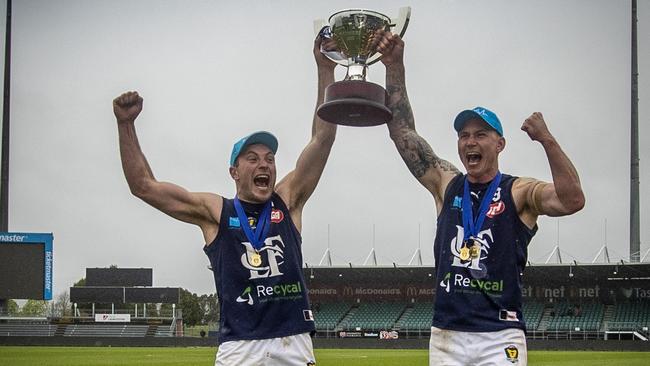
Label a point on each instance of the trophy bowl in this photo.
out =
(355, 101)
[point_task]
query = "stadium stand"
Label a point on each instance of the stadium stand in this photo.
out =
(28, 329)
(163, 331)
(577, 317)
(328, 315)
(604, 302)
(107, 330)
(373, 316)
(533, 312)
(630, 316)
(416, 318)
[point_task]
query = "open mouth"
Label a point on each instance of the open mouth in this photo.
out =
(262, 180)
(473, 158)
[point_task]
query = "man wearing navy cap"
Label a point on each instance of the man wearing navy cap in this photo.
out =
(485, 221)
(253, 241)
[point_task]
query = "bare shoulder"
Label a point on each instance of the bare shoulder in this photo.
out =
(212, 203)
(525, 196)
(521, 188)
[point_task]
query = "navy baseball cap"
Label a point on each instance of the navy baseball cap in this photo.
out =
(260, 137)
(481, 113)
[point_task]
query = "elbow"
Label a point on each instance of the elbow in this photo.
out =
(140, 189)
(575, 203)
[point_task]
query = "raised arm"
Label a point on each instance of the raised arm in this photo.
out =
(201, 209)
(562, 197)
(430, 170)
(296, 188)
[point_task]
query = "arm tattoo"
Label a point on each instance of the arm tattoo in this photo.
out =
(415, 151)
(419, 157)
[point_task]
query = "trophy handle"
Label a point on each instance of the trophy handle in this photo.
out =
(399, 27)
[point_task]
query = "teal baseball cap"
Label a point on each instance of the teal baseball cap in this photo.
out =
(484, 114)
(260, 137)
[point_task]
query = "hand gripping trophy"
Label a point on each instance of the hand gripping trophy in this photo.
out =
(355, 101)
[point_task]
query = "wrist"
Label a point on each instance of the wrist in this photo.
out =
(326, 68)
(548, 141)
(125, 121)
(395, 67)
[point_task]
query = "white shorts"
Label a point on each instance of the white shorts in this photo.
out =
(452, 348)
(295, 350)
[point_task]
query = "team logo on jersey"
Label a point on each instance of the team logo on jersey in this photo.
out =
(233, 222)
(445, 282)
(495, 209)
(246, 296)
(272, 254)
(277, 216)
(472, 262)
(512, 354)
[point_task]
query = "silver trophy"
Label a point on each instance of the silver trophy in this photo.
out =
(355, 101)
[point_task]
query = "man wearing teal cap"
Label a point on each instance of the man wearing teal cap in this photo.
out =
(253, 241)
(485, 220)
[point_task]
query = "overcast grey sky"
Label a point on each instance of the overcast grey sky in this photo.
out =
(213, 71)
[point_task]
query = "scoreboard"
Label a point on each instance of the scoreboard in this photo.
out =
(26, 266)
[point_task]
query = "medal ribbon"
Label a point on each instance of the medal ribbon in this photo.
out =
(472, 225)
(258, 236)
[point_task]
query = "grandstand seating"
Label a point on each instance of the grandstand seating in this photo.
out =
(419, 317)
(416, 317)
(533, 312)
(32, 330)
(374, 316)
(164, 331)
(108, 330)
(630, 316)
(589, 317)
(328, 315)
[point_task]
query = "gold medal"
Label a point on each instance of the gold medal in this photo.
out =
(464, 253)
(475, 250)
(256, 259)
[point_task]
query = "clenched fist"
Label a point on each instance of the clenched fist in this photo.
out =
(127, 106)
(536, 128)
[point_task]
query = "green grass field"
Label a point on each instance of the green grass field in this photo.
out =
(136, 356)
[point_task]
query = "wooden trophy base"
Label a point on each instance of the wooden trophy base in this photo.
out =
(355, 103)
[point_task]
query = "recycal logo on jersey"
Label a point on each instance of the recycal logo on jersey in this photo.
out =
(262, 294)
(471, 285)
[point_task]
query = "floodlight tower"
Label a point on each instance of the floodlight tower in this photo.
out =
(635, 237)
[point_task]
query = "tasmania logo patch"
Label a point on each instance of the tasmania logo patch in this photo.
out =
(276, 216)
(512, 354)
(496, 209)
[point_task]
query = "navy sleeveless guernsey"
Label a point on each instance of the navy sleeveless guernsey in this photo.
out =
(482, 291)
(264, 301)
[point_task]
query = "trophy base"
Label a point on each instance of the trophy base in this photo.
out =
(355, 103)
